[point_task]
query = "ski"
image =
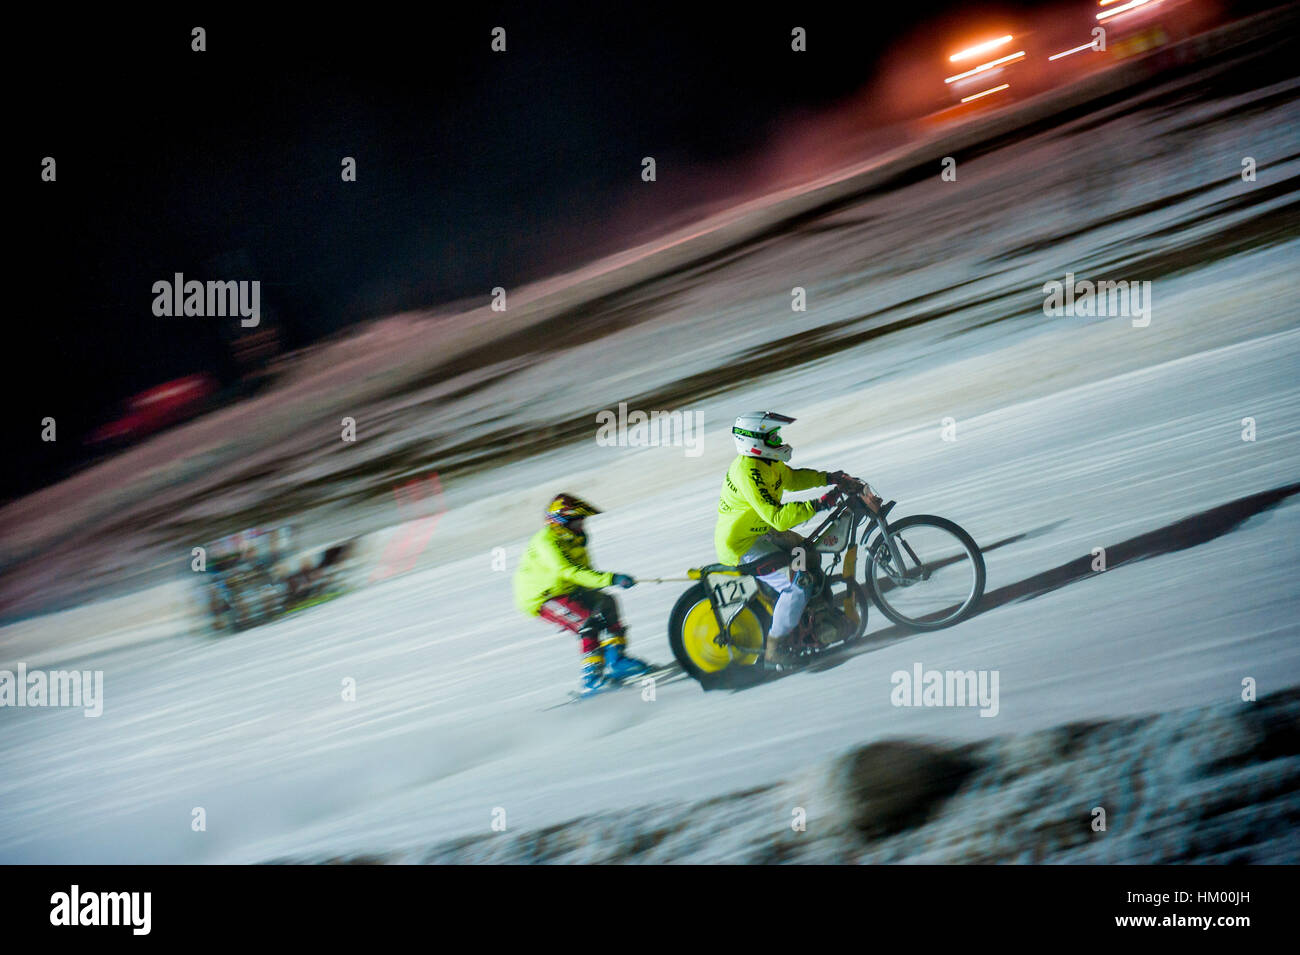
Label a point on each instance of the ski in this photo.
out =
(661, 675)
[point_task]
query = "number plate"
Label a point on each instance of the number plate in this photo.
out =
(730, 593)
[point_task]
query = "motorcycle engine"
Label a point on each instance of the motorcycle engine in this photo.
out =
(825, 629)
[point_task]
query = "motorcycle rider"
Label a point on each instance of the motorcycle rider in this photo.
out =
(555, 581)
(753, 523)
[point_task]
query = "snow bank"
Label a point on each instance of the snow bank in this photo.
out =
(1216, 784)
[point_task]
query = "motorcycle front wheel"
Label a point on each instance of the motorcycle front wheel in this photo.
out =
(941, 580)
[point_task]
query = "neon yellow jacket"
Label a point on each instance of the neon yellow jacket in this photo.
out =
(555, 562)
(751, 506)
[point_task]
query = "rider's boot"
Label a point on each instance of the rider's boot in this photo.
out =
(774, 651)
(618, 665)
(777, 652)
(593, 673)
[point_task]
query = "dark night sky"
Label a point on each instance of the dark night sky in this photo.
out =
(475, 169)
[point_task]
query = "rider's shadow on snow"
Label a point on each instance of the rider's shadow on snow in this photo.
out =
(1192, 531)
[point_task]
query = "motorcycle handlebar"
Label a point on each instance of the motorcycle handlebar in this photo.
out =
(850, 489)
(853, 486)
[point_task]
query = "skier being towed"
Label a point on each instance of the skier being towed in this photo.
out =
(753, 525)
(555, 581)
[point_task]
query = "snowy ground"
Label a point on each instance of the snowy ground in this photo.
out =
(925, 304)
(1213, 784)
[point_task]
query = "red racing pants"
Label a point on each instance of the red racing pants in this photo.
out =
(587, 613)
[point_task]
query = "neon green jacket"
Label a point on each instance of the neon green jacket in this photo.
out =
(555, 562)
(751, 506)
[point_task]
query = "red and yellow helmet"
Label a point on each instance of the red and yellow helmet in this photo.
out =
(565, 509)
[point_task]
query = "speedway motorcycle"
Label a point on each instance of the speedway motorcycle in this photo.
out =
(923, 572)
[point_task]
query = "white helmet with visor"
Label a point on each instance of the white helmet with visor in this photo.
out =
(758, 435)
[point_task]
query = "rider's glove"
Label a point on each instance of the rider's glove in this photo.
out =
(838, 478)
(826, 501)
(622, 580)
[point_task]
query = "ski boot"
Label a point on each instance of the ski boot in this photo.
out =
(593, 674)
(618, 665)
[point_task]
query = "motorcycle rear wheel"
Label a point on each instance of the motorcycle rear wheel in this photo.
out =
(692, 632)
